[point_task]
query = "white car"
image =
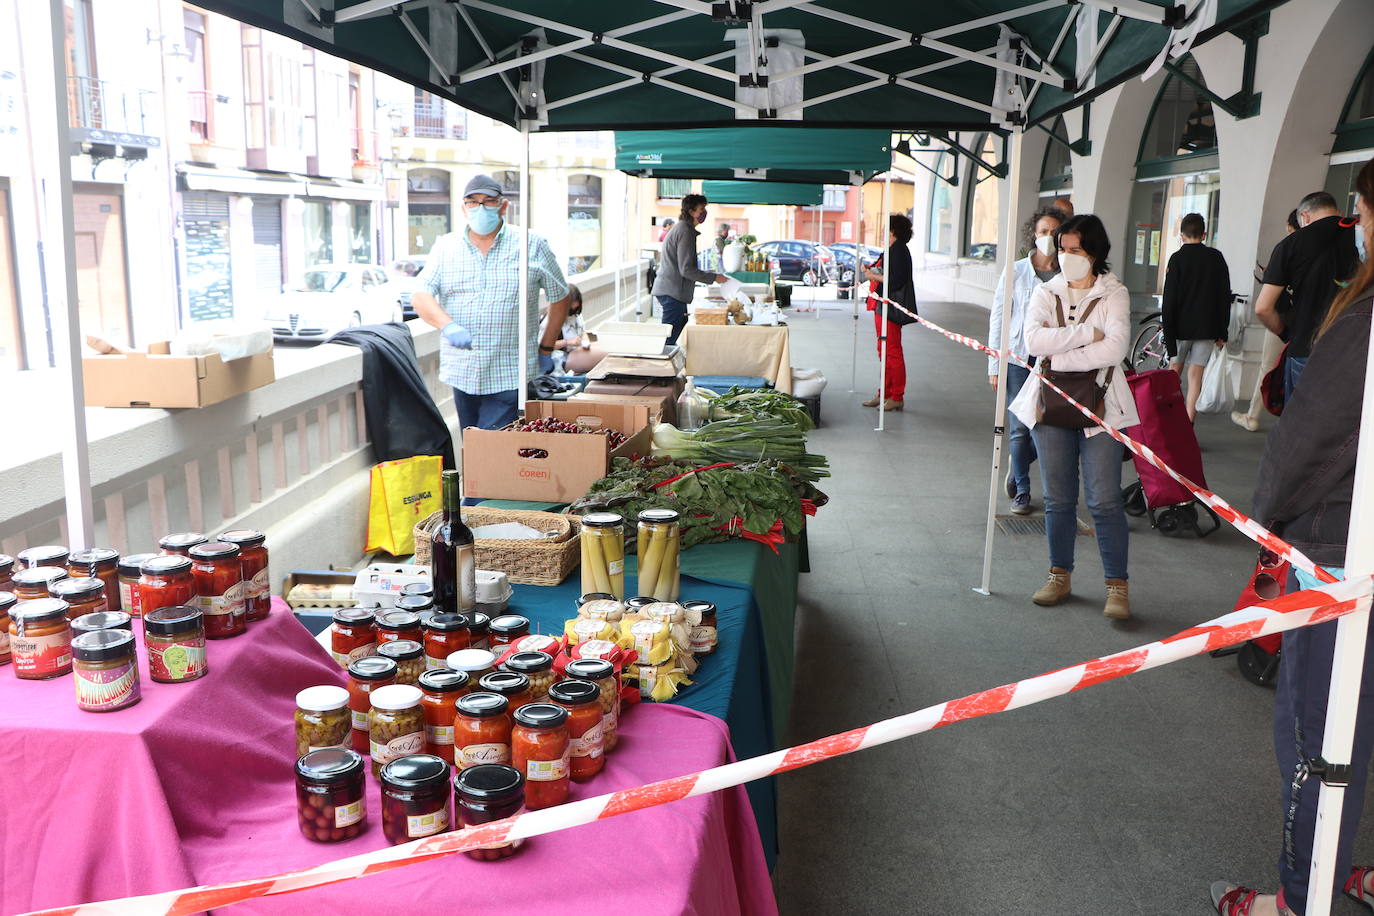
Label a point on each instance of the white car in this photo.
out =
(331, 297)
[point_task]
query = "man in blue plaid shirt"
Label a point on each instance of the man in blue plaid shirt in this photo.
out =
(471, 292)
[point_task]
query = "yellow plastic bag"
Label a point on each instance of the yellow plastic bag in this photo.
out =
(404, 492)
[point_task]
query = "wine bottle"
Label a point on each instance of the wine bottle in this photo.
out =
(453, 562)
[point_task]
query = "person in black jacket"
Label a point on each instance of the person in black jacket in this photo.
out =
(1305, 495)
(1197, 305)
(898, 265)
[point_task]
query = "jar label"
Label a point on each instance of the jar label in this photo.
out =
(590, 743)
(258, 586)
(357, 652)
(547, 770)
(466, 556)
(128, 596)
(610, 723)
(231, 602)
(596, 648)
(587, 629)
(418, 825)
(536, 643)
(42, 654)
(349, 814)
(615, 567)
(703, 639)
(4, 642)
(413, 743)
(439, 734)
(647, 675)
(108, 688)
(473, 754)
(431, 662)
(179, 661)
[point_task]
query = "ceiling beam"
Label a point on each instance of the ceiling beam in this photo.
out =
(636, 79)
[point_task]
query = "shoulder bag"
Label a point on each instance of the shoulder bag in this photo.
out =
(1083, 387)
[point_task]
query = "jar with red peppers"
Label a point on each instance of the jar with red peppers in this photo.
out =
(6, 572)
(393, 625)
(7, 603)
(100, 563)
(602, 673)
(329, 795)
(33, 582)
(538, 667)
(440, 689)
(130, 569)
(481, 730)
(166, 581)
(481, 630)
(415, 798)
(444, 635)
(506, 629)
(257, 585)
(83, 596)
(219, 589)
(180, 544)
(512, 685)
(40, 639)
(46, 555)
(486, 793)
(175, 638)
(364, 676)
(351, 636)
(582, 700)
(421, 606)
(540, 749)
(409, 657)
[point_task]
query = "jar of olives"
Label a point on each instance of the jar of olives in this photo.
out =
(602, 673)
(329, 795)
(409, 657)
(395, 724)
(322, 718)
(415, 798)
(538, 667)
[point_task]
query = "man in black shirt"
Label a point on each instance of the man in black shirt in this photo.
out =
(1311, 264)
(1197, 305)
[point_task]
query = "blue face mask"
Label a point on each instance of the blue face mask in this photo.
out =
(483, 220)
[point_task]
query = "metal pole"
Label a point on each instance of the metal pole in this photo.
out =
(526, 201)
(1347, 662)
(859, 251)
(816, 231)
(60, 261)
(887, 291)
(1006, 248)
(619, 264)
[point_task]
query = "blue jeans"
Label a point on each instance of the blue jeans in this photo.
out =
(1019, 441)
(485, 411)
(674, 314)
(1061, 452)
(1292, 371)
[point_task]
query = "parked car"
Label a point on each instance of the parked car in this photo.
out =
(797, 259)
(405, 276)
(844, 259)
(983, 251)
(331, 297)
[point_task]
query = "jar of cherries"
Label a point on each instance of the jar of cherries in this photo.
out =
(329, 795)
(415, 798)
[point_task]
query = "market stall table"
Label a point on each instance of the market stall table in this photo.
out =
(739, 350)
(194, 784)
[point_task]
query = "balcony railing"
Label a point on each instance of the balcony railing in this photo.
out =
(202, 115)
(434, 122)
(365, 150)
(103, 106)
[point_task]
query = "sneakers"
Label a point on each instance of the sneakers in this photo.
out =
(1245, 421)
(1021, 504)
(1009, 485)
(1055, 589)
(1118, 605)
(874, 401)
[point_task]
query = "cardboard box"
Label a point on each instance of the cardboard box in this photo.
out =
(640, 367)
(660, 405)
(156, 379)
(665, 390)
(493, 468)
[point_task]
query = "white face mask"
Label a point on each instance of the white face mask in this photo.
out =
(1075, 266)
(1045, 244)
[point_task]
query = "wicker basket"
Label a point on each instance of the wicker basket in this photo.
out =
(526, 562)
(711, 316)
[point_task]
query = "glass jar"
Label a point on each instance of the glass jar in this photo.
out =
(175, 640)
(481, 730)
(582, 700)
(83, 596)
(101, 620)
(322, 719)
(130, 570)
(536, 642)
(486, 793)
(415, 798)
(32, 582)
(351, 635)
(409, 657)
(6, 572)
(611, 611)
(395, 724)
(105, 670)
(703, 635)
(637, 604)
(515, 687)
(658, 544)
(421, 606)
(180, 544)
(329, 795)
(505, 630)
(40, 639)
(603, 553)
(481, 630)
(46, 555)
(219, 589)
(591, 596)
(165, 581)
(475, 663)
(540, 749)
(418, 588)
(99, 563)
(7, 603)
(440, 689)
(538, 667)
(393, 625)
(444, 635)
(257, 584)
(602, 673)
(367, 674)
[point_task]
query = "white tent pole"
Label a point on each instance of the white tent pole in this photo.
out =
(859, 250)
(887, 292)
(816, 233)
(623, 235)
(637, 292)
(1006, 248)
(59, 256)
(1348, 660)
(526, 201)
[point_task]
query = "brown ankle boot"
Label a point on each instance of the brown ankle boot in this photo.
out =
(1118, 600)
(874, 401)
(1055, 589)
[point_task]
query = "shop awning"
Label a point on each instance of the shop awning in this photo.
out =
(763, 192)
(238, 181)
(819, 156)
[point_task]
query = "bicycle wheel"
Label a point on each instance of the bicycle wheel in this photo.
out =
(1147, 352)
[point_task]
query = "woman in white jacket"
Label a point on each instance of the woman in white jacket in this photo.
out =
(1094, 334)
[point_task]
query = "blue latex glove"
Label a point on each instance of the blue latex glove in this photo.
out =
(545, 363)
(457, 336)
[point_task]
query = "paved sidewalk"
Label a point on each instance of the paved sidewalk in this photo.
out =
(1130, 797)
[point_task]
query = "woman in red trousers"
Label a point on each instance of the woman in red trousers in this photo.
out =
(897, 263)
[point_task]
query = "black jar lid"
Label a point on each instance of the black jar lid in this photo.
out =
(84, 588)
(443, 680)
(34, 576)
(163, 564)
(574, 692)
(590, 669)
(329, 765)
(414, 603)
(172, 621)
(244, 537)
(448, 623)
(510, 623)
(639, 602)
(95, 556)
(7, 600)
(372, 668)
(506, 683)
(481, 623)
(707, 608)
(595, 596)
(103, 620)
(354, 616)
(402, 650)
(102, 645)
(6, 562)
(659, 516)
(418, 588)
(482, 705)
(39, 610)
(131, 566)
(182, 540)
(603, 520)
(416, 772)
(489, 782)
(529, 662)
(541, 715)
(215, 550)
(398, 620)
(44, 555)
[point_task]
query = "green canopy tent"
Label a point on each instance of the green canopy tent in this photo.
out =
(773, 154)
(763, 192)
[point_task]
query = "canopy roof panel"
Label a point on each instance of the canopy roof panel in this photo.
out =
(763, 192)
(820, 156)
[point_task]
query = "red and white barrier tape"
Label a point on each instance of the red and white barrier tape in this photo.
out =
(1237, 519)
(1289, 612)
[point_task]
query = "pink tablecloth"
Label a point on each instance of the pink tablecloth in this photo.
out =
(194, 785)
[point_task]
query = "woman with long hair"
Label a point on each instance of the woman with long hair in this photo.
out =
(896, 263)
(1305, 495)
(678, 274)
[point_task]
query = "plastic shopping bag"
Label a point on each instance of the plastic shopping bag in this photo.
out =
(403, 492)
(1220, 383)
